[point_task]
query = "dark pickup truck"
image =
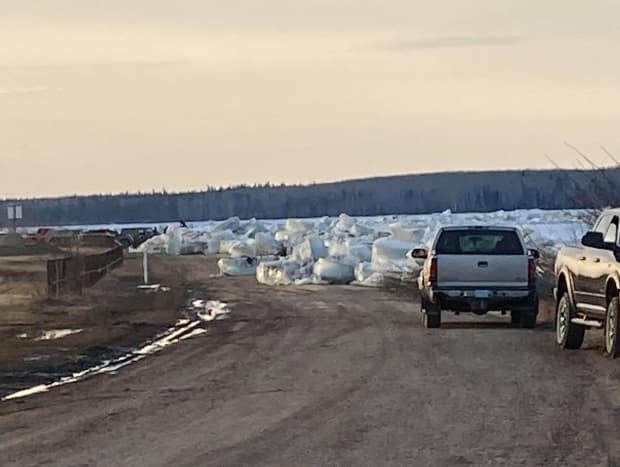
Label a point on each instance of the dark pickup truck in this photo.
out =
(588, 286)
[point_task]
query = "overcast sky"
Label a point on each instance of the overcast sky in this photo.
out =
(117, 95)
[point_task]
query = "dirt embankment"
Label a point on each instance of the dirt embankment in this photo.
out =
(106, 321)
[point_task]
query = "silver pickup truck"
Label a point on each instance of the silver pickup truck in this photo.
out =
(478, 269)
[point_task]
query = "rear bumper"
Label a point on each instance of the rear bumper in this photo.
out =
(499, 298)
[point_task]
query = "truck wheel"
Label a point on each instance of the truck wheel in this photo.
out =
(567, 334)
(431, 321)
(611, 329)
(431, 314)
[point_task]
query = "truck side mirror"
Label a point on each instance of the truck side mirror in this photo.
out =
(533, 253)
(418, 253)
(593, 240)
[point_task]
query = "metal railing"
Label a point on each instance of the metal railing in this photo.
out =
(70, 275)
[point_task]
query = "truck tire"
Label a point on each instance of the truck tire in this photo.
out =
(567, 334)
(431, 321)
(431, 314)
(611, 328)
(515, 317)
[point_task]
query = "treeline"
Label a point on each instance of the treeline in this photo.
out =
(407, 194)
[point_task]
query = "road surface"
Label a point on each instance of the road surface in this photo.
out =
(331, 376)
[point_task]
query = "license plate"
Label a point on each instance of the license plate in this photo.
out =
(482, 294)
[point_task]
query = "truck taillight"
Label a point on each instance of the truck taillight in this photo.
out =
(531, 271)
(434, 270)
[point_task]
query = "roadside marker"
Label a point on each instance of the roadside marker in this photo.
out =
(145, 266)
(146, 285)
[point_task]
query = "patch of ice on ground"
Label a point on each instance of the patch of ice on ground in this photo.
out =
(54, 334)
(194, 333)
(167, 338)
(207, 310)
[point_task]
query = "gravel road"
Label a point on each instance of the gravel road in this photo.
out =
(331, 376)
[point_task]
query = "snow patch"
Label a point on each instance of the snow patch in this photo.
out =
(54, 334)
(182, 330)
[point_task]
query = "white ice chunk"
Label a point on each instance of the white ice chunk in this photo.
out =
(345, 223)
(242, 249)
(237, 266)
(158, 244)
(361, 252)
(406, 235)
(267, 245)
(376, 279)
(311, 249)
(232, 224)
(226, 245)
(281, 272)
(213, 246)
(333, 271)
(390, 255)
(175, 240)
(297, 225)
(363, 271)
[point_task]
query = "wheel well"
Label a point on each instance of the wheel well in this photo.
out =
(562, 286)
(612, 290)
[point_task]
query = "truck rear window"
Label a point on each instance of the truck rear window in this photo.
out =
(479, 242)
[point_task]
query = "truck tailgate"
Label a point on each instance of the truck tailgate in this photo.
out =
(482, 271)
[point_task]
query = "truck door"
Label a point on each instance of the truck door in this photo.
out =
(595, 269)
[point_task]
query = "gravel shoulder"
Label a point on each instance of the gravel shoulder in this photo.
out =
(319, 376)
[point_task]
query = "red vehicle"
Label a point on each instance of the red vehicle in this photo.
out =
(42, 233)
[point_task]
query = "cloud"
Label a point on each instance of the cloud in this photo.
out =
(446, 42)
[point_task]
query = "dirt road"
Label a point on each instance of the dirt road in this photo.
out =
(331, 376)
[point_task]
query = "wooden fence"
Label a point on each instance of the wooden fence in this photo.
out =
(72, 274)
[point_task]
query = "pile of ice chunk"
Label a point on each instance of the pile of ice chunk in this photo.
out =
(362, 250)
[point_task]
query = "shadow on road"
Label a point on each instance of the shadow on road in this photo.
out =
(490, 325)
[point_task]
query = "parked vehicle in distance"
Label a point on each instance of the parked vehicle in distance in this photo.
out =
(42, 232)
(134, 237)
(588, 286)
(478, 269)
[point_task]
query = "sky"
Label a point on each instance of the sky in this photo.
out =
(128, 95)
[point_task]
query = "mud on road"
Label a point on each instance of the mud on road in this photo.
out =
(320, 376)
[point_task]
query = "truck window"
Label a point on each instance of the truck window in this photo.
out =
(479, 242)
(611, 236)
(602, 225)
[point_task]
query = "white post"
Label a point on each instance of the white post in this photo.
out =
(145, 266)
